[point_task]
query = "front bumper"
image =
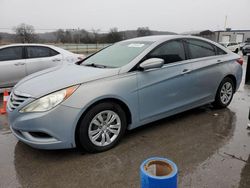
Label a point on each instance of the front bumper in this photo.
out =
(54, 129)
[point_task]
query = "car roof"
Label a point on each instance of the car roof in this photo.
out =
(160, 38)
(26, 44)
(58, 49)
(153, 38)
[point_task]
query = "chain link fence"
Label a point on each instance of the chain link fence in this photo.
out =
(82, 48)
(85, 49)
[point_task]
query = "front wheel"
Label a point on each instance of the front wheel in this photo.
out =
(224, 93)
(102, 127)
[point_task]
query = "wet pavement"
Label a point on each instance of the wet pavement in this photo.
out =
(210, 147)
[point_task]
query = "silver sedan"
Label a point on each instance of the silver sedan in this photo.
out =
(90, 105)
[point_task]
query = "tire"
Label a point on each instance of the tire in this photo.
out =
(221, 101)
(236, 51)
(244, 53)
(97, 126)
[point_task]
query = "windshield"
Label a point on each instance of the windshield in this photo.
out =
(118, 54)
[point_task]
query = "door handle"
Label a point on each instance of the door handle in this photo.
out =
(19, 63)
(56, 60)
(186, 71)
(218, 60)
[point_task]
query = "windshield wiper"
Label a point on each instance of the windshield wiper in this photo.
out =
(97, 65)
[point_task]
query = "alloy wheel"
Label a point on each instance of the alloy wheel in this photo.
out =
(226, 92)
(104, 128)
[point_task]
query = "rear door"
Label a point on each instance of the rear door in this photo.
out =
(168, 88)
(40, 58)
(12, 66)
(207, 59)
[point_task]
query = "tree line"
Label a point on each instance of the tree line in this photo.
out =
(25, 33)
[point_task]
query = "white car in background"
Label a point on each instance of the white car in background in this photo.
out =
(20, 60)
(232, 46)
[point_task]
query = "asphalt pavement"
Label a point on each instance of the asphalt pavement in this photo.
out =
(210, 147)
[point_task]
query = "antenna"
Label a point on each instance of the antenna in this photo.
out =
(225, 26)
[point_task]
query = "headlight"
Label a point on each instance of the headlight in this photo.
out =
(49, 101)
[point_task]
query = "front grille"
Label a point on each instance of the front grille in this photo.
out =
(16, 100)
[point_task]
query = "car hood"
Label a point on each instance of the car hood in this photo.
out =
(53, 79)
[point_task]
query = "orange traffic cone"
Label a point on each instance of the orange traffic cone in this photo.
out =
(5, 99)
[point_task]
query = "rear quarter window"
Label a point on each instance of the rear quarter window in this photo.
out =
(40, 51)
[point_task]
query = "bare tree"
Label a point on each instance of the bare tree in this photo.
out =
(65, 36)
(95, 35)
(143, 31)
(114, 36)
(60, 35)
(25, 33)
(84, 36)
(68, 36)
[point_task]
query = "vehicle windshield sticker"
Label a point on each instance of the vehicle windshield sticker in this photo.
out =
(136, 45)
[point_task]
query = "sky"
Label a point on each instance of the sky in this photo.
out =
(164, 15)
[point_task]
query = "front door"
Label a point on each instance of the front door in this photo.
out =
(168, 88)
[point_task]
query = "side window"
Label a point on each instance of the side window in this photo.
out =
(198, 48)
(11, 53)
(171, 51)
(40, 51)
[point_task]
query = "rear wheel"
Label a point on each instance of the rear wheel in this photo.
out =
(102, 127)
(224, 93)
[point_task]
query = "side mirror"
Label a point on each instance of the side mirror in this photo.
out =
(152, 63)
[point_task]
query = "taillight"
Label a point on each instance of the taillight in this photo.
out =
(240, 61)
